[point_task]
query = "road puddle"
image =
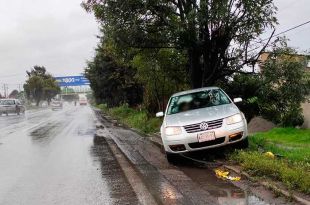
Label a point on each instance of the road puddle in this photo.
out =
(200, 166)
(224, 191)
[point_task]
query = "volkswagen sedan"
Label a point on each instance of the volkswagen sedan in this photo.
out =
(201, 119)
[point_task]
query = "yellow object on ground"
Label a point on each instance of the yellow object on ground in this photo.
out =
(270, 155)
(225, 175)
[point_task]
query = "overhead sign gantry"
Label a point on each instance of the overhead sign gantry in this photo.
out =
(68, 81)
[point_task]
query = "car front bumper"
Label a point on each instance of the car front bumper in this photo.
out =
(187, 142)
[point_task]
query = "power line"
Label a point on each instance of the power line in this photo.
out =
(13, 75)
(278, 34)
(290, 29)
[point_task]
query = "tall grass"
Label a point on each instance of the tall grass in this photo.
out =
(292, 162)
(294, 177)
(138, 119)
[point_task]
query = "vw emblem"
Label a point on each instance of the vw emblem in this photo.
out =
(204, 126)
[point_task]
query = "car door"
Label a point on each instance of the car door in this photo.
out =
(11, 106)
(19, 106)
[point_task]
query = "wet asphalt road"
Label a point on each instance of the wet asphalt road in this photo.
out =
(51, 157)
(55, 157)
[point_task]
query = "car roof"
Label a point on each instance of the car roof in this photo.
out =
(194, 91)
(8, 99)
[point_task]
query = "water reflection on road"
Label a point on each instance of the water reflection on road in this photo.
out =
(49, 157)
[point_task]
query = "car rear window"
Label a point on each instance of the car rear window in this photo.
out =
(7, 102)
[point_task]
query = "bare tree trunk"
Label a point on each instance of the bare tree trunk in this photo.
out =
(38, 102)
(195, 69)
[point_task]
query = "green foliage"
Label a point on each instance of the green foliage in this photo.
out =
(291, 147)
(278, 91)
(112, 82)
(247, 87)
(151, 49)
(284, 87)
(40, 85)
(162, 73)
(294, 177)
(133, 118)
(209, 31)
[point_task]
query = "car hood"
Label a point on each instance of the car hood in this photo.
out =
(200, 115)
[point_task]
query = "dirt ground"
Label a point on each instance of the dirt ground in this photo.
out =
(259, 124)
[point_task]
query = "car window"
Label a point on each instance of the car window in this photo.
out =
(197, 100)
(7, 102)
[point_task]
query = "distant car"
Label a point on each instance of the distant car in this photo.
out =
(9, 106)
(201, 119)
(56, 104)
(83, 101)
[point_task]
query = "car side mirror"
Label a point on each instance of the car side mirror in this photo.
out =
(160, 114)
(237, 100)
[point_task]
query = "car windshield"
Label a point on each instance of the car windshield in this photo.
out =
(7, 102)
(197, 100)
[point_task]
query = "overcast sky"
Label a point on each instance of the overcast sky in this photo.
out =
(61, 36)
(57, 34)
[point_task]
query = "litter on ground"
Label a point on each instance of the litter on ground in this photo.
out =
(225, 175)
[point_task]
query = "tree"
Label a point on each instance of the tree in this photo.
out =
(161, 72)
(14, 94)
(40, 85)
(284, 86)
(38, 71)
(219, 37)
(34, 88)
(112, 82)
(51, 89)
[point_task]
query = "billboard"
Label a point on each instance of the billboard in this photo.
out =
(72, 81)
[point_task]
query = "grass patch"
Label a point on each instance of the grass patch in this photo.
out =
(294, 177)
(293, 144)
(292, 163)
(140, 120)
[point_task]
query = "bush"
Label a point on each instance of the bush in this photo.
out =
(133, 118)
(246, 87)
(284, 87)
(103, 107)
(292, 118)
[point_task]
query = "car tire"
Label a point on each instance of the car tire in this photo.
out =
(172, 158)
(243, 144)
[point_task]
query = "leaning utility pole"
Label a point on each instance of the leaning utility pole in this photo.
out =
(5, 88)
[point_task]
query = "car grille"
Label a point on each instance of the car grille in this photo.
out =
(211, 125)
(207, 143)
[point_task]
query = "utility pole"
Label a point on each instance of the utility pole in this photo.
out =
(6, 90)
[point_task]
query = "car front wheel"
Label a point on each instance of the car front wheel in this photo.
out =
(172, 158)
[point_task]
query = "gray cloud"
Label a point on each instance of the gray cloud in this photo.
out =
(290, 14)
(57, 34)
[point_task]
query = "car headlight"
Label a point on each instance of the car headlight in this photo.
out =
(173, 130)
(234, 119)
